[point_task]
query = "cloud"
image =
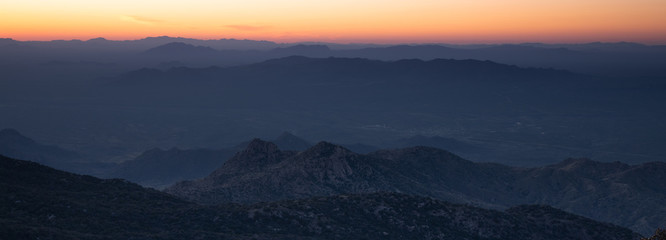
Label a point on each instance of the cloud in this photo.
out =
(247, 27)
(140, 20)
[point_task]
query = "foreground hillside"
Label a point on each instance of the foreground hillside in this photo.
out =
(38, 202)
(631, 196)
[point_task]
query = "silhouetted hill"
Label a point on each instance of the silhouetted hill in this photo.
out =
(41, 202)
(183, 53)
(44, 203)
(151, 42)
(7, 42)
(608, 59)
(602, 191)
(358, 67)
(219, 44)
(263, 173)
(627, 58)
(305, 83)
(438, 65)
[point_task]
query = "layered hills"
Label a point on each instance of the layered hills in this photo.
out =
(626, 195)
(519, 116)
(599, 58)
(41, 202)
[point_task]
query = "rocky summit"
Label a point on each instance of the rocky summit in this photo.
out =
(602, 191)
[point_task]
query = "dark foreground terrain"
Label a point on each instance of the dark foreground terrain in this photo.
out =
(39, 202)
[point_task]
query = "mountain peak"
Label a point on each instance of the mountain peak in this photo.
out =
(7, 41)
(99, 39)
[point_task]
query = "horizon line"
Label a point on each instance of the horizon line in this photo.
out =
(339, 43)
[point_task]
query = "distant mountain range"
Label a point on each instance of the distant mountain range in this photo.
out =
(632, 196)
(145, 43)
(514, 115)
(481, 99)
(316, 82)
(41, 202)
(626, 59)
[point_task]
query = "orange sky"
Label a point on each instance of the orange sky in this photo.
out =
(380, 21)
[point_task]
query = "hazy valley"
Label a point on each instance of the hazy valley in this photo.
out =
(436, 141)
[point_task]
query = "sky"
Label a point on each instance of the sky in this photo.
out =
(340, 21)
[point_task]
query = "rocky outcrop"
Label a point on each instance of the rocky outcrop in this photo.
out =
(632, 196)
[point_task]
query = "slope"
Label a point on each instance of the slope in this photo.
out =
(41, 202)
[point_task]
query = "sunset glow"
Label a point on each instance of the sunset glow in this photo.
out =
(381, 21)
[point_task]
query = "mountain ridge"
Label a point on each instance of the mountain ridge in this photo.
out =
(582, 186)
(160, 168)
